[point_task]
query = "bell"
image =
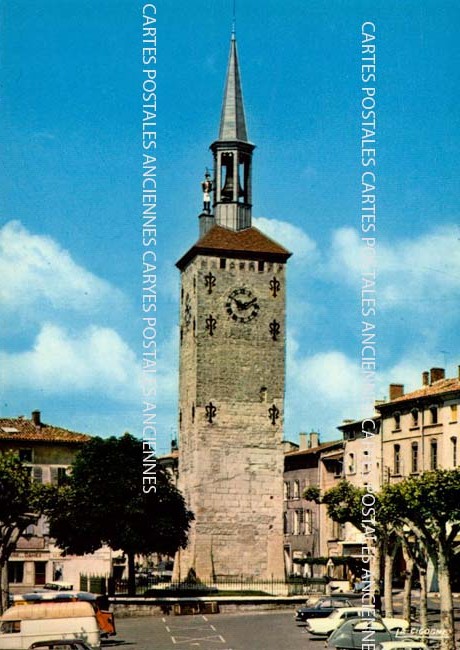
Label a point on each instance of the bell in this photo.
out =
(227, 190)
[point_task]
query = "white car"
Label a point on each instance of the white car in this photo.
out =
(325, 626)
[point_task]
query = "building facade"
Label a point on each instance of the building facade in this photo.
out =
(420, 429)
(306, 525)
(232, 370)
(47, 451)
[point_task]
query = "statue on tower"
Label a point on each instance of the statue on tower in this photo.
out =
(206, 186)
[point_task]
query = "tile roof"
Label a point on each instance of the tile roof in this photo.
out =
(249, 243)
(21, 429)
(352, 423)
(441, 387)
(314, 450)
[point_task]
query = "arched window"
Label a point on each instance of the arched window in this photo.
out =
(434, 414)
(296, 489)
(351, 464)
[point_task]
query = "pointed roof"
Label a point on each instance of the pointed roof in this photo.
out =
(249, 244)
(232, 121)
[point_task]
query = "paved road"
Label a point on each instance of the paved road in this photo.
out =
(263, 630)
(254, 631)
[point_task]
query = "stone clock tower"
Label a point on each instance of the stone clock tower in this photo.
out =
(232, 370)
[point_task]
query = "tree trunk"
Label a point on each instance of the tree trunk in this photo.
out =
(131, 575)
(423, 598)
(3, 587)
(388, 577)
(446, 602)
(407, 582)
(376, 562)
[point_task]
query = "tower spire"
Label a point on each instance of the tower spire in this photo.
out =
(232, 154)
(233, 121)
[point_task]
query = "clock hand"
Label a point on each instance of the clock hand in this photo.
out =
(246, 305)
(238, 303)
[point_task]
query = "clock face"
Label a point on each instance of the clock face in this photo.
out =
(187, 311)
(242, 305)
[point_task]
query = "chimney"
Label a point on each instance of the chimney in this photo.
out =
(313, 439)
(458, 372)
(425, 378)
(36, 418)
(396, 390)
(303, 441)
(436, 374)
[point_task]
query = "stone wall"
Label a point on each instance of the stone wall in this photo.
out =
(231, 458)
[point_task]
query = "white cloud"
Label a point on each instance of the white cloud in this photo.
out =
(417, 272)
(408, 370)
(96, 359)
(38, 275)
(289, 236)
(323, 389)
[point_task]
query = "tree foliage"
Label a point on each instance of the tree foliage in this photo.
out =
(429, 505)
(104, 503)
(344, 504)
(21, 503)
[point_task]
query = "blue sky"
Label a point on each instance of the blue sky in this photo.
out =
(70, 241)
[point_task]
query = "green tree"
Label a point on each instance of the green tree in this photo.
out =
(104, 503)
(429, 505)
(345, 505)
(21, 504)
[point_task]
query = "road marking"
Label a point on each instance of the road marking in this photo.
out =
(181, 628)
(186, 634)
(217, 638)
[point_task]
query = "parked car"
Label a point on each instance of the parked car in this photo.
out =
(352, 633)
(325, 626)
(322, 608)
(20, 627)
(99, 603)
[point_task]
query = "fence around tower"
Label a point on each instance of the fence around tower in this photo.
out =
(152, 586)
